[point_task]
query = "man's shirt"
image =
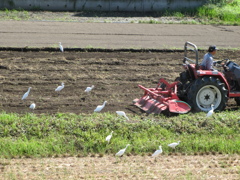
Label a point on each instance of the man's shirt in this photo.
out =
(207, 62)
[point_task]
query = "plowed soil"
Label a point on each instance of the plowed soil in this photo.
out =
(115, 75)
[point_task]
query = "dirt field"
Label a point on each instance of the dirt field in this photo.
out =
(115, 76)
(221, 167)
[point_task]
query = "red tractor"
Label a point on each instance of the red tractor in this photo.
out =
(194, 89)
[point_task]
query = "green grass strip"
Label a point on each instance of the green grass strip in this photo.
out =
(51, 135)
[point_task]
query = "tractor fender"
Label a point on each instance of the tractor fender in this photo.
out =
(219, 75)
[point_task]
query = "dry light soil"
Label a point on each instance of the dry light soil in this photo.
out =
(220, 167)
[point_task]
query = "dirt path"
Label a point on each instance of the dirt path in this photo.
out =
(115, 35)
(171, 167)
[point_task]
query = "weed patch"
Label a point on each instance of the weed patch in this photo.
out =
(221, 12)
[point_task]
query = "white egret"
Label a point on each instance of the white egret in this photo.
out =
(173, 145)
(100, 107)
(122, 113)
(88, 89)
(210, 113)
(59, 88)
(122, 151)
(61, 47)
(157, 152)
(26, 94)
(108, 138)
(32, 106)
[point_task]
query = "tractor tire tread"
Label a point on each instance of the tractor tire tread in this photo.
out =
(199, 83)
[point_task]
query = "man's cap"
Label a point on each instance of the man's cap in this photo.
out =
(212, 48)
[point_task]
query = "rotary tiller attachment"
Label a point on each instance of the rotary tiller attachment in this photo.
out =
(163, 97)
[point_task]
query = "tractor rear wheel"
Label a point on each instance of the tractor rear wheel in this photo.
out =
(206, 91)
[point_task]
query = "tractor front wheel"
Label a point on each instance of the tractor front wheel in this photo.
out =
(206, 91)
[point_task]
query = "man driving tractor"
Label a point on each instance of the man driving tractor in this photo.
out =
(208, 62)
(194, 89)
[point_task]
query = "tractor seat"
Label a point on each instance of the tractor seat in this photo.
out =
(191, 71)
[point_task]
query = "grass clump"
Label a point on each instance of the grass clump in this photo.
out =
(151, 21)
(14, 14)
(223, 11)
(48, 135)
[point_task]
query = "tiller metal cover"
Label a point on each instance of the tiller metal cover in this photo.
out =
(163, 97)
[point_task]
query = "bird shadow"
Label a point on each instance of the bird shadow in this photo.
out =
(132, 110)
(138, 111)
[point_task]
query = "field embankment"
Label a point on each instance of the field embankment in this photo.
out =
(81, 135)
